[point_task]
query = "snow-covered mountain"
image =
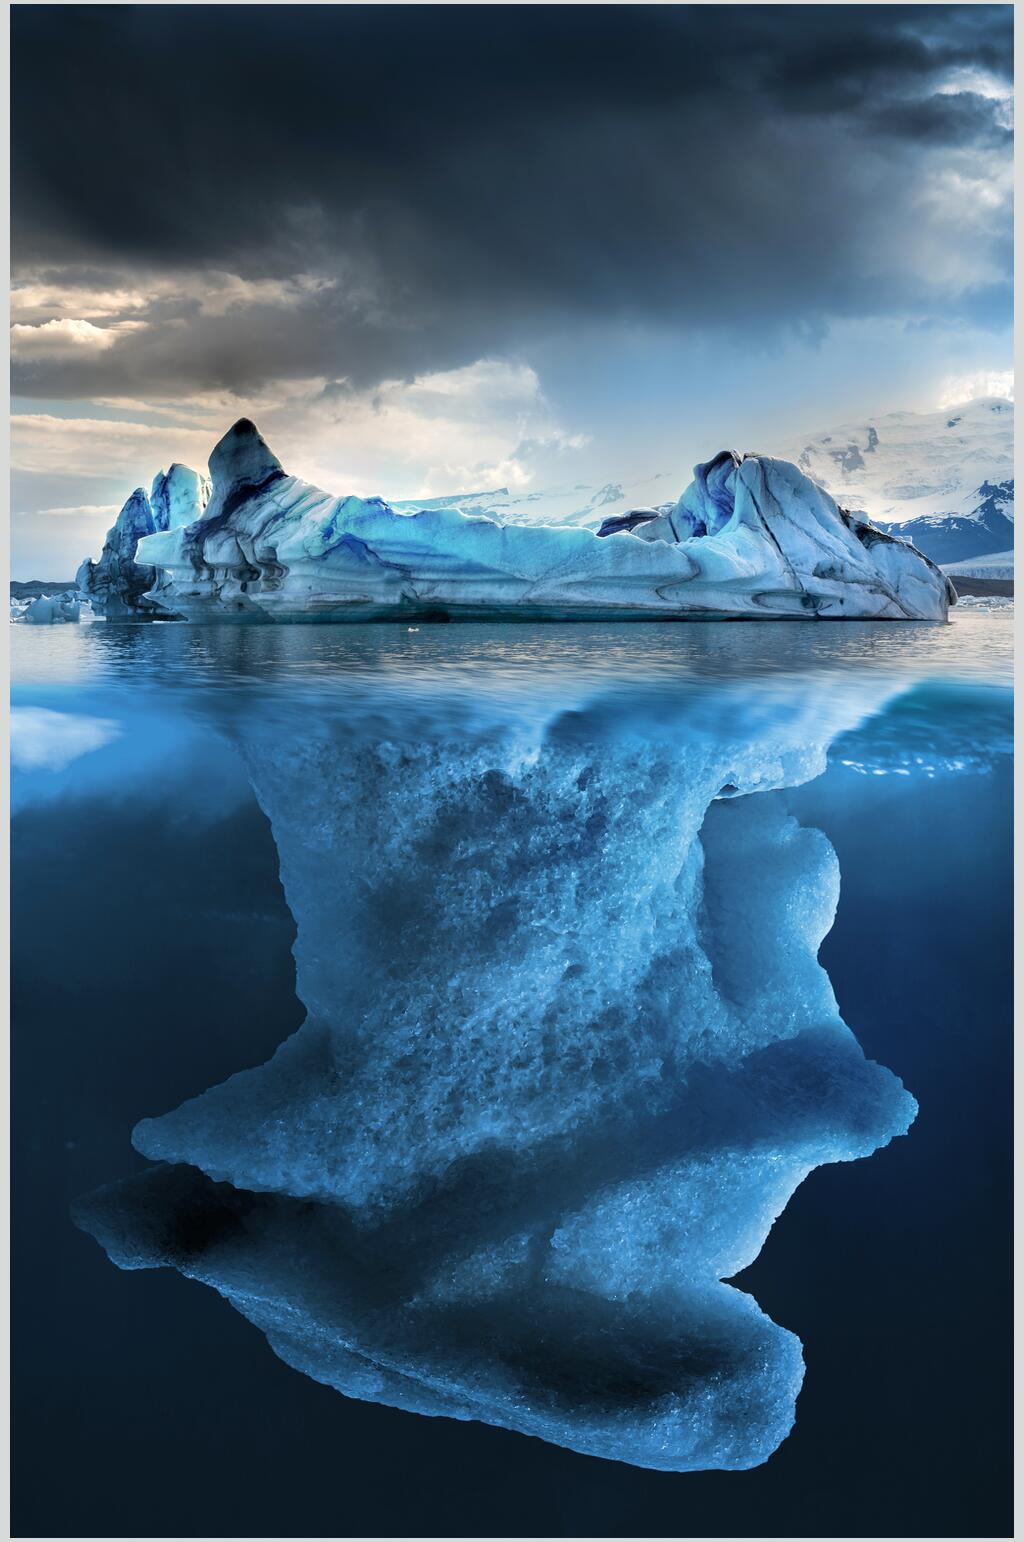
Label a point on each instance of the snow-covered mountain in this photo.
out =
(985, 527)
(582, 504)
(941, 479)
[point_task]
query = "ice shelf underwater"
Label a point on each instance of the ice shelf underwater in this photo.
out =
(569, 1051)
(750, 538)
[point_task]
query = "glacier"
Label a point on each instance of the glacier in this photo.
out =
(998, 564)
(751, 538)
(568, 1053)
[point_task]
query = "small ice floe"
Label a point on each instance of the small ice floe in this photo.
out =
(985, 602)
(50, 609)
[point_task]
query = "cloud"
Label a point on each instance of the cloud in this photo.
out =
(947, 118)
(494, 178)
(485, 424)
(480, 426)
(39, 299)
(968, 388)
(49, 296)
(219, 293)
(97, 447)
(452, 431)
(65, 338)
(75, 511)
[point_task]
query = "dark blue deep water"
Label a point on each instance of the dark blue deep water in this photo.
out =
(152, 959)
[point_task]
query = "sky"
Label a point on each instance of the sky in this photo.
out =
(435, 249)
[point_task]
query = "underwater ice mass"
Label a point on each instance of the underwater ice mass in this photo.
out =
(568, 1054)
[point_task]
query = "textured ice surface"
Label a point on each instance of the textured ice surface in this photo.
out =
(49, 609)
(116, 584)
(752, 537)
(568, 1053)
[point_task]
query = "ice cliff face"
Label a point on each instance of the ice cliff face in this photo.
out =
(751, 538)
(568, 1053)
(830, 553)
(116, 584)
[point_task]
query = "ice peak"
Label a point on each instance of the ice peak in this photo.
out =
(178, 496)
(243, 428)
(135, 511)
(242, 458)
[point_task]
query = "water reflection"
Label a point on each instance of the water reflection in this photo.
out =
(974, 645)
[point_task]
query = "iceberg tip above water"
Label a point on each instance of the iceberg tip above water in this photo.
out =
(752, 537)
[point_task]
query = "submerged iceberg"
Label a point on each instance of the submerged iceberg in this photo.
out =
(116, 584)
(751, 538)
(568, 1053)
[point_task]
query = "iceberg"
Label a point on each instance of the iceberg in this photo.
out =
(51, 609)
(751, 538)
(568, 1053)
(116, 584)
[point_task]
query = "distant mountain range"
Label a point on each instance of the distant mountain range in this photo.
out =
(580, 504)
(984, 529)
(32, 588)
(943, 480)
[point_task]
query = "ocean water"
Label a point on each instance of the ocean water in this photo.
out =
(216, 829)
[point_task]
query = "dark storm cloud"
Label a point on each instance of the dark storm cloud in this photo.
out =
(477, 178)
(960, 118)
